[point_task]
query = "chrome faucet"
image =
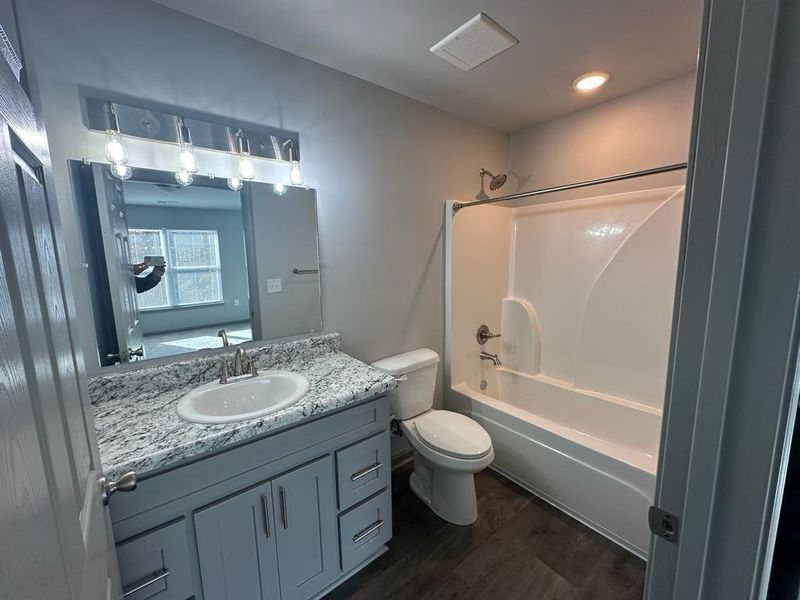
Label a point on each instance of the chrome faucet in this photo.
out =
(492, 357)
(221, 333)
(242, 365)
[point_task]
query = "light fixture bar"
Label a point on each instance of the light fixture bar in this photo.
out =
(156, 122)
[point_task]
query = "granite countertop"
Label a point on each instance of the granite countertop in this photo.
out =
(139, 430)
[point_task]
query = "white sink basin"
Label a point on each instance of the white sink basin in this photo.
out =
(242, 398)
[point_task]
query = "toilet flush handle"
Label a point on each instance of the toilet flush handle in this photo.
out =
(402, 378)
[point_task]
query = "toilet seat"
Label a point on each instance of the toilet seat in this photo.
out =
(452, 434)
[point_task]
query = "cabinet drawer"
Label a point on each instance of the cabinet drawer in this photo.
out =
(363, 530)
(363, 469)
(155, 565)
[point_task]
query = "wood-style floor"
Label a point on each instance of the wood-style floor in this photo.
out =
(520, 548)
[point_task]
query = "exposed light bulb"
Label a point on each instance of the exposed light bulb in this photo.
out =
(184, 178)
(295, 175)
(186, 160)
(279, 189)
(235, 183)
(115, 149)
(121, 171)
(247, 170)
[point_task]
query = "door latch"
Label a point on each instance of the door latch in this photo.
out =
(663, 524)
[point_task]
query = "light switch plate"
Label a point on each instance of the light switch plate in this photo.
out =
(274, 286)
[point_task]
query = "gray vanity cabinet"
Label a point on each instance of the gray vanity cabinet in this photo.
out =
(276, 540)
(306, 529)
(284, 517)
(236, 546)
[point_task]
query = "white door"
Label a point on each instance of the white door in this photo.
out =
(55, 535)
(116, 243)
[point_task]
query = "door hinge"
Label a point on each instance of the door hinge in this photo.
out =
(663, 524)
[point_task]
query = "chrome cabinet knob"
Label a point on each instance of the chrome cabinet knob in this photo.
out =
(126, 483)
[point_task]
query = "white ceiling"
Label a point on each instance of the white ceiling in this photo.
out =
(641, 42)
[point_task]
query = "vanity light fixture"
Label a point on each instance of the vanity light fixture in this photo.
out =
(114, 150)
(295, 175)
(186, 159)
(247, 170)
(235, 184)
(121, 171)
(184, 178)
(589, 82)
(279, 189)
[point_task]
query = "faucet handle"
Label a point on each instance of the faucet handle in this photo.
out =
(223, 371)
(484, 334)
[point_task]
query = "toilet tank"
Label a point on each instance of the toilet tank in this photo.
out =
(416, 371)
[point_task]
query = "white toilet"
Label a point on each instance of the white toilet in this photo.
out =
(448, 447)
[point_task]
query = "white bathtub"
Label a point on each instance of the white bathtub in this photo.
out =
(591, 455)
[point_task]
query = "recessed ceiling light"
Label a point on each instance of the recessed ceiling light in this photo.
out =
(589, 82)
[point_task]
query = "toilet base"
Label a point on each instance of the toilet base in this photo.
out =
(449, 494)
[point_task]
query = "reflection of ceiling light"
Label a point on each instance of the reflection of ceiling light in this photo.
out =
(606, 231)
(121, 171)
(279, 189)
(591, 81)
(186, 159)
(235, 184)
(184, 178)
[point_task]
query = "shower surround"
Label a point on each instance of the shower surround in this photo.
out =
(582, 291)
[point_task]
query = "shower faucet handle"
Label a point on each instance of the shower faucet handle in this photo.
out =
(484, 334)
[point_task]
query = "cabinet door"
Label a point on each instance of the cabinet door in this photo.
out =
(236, 547)
(306, 529)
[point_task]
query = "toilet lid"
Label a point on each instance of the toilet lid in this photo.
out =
(453, 434)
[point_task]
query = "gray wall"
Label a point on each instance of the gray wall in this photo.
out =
(383, 164)
(645, 129)
(230, 231)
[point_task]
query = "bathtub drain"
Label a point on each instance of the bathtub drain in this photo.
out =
(484, 385)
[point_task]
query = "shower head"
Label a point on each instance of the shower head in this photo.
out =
(496, 181)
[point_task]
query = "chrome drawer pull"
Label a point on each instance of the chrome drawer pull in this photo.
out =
(284, 511)
(372, 528)
(364, 472)
(156, 577)
(265, 506)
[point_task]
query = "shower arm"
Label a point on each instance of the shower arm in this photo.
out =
(570, 186)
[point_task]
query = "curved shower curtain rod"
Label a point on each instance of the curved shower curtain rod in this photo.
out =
(571, 186)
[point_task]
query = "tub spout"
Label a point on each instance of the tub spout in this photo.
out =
(492, 357)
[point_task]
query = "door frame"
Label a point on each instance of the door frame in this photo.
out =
(732, 384)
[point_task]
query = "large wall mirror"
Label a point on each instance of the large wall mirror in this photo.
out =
(170, 266)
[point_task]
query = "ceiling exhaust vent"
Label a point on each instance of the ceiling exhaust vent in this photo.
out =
(475, 42)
